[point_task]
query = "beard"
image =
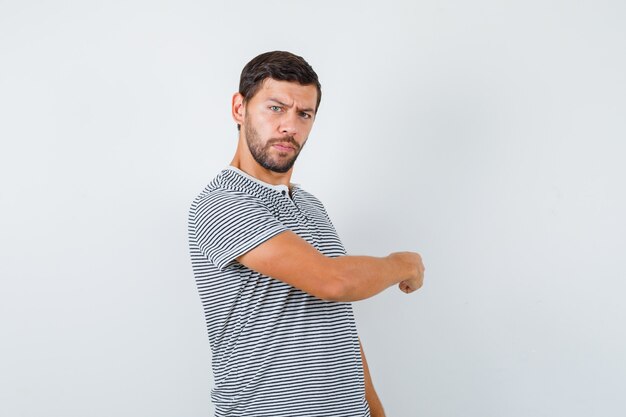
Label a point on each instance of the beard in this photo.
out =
(262, 152)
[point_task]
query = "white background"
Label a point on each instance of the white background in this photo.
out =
(486, 135)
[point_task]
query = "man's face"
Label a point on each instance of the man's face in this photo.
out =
(277, 122)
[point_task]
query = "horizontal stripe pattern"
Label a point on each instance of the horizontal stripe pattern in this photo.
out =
(276, 351)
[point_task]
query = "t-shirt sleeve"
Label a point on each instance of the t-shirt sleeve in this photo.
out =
(229, 224)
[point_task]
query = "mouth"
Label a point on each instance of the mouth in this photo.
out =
(283, 147)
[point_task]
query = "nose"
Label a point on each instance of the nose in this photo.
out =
(288, 124)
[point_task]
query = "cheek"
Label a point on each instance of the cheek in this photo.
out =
(265, 122)
(306, 128)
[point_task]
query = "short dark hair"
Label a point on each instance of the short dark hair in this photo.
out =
(280, 66)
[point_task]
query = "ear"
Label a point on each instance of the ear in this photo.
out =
(238, 108)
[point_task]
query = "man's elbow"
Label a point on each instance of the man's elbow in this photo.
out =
(339, 287)
(334, 291)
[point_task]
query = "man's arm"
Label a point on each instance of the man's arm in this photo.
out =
(291, 259)
(376, 407)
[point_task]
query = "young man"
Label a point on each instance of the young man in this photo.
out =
(273, 276)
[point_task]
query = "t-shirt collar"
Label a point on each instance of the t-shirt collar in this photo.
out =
(279, 187)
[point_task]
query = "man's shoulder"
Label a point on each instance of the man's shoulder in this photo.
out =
(224, 195)
(221, 186)
(211, 200)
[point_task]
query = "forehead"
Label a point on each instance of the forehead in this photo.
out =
(288, 92)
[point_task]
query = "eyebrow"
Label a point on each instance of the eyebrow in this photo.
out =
(288, 106)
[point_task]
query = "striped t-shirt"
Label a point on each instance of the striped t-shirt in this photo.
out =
(276, 351)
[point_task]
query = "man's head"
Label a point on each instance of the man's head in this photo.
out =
(279, 94)
(279, 66)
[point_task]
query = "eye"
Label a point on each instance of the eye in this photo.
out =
(305, 115)
(274, 108)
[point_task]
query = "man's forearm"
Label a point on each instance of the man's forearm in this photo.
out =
(361, 277)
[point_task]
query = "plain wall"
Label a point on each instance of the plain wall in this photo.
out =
(486, 135)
